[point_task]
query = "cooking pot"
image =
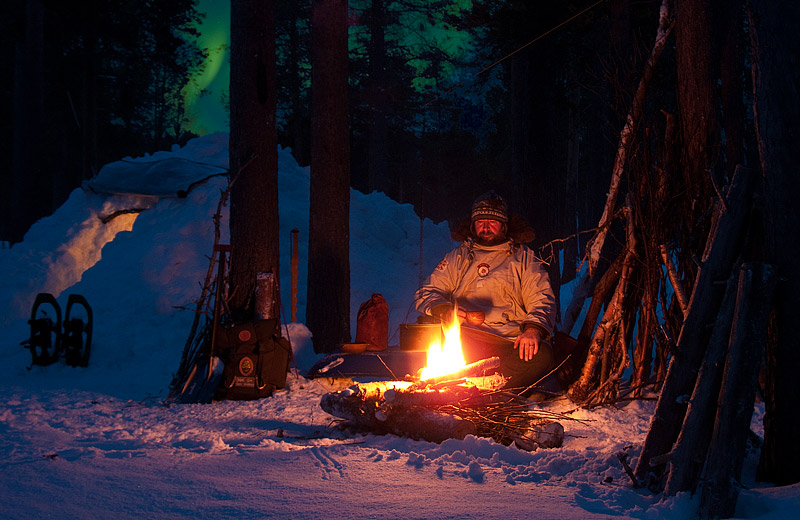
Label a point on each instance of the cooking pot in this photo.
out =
(419, 336)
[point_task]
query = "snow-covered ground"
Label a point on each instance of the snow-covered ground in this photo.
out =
(99, 442)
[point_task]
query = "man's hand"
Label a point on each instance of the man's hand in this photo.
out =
(528, 343)
(443, 312)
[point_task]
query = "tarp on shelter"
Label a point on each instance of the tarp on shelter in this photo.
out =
(170, 177)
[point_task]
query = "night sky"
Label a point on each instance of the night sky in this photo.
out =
(207, 112)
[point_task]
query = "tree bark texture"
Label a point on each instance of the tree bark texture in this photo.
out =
(328, 301)
(717, 262)
(731, 34)
(698, 110)
(776, 74)
(674, 279)
(735, 407)
(253, 151)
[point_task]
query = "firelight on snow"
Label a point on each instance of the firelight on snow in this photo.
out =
(445, 357)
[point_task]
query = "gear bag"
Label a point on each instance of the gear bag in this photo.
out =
(372, 325)
(256, 359)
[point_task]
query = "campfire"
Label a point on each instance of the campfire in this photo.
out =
(449, 399)
(445, 357)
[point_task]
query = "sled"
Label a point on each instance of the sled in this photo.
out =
(391, 363)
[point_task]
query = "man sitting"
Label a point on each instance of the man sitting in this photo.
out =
(493, 272)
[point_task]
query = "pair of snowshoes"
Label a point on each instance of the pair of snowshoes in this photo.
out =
(53, 338)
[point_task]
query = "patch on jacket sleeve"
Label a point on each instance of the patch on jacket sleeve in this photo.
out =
(442, 265)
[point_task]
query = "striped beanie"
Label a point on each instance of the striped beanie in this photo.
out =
(490, 206)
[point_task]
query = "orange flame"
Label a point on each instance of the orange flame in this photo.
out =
(445, 358)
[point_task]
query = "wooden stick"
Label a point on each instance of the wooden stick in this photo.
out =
(672, 273)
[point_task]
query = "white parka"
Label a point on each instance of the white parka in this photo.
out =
(506, 282)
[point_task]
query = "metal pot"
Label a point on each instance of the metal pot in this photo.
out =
(419, 336)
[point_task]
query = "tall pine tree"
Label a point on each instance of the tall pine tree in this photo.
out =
(328, 307)
(253, 151)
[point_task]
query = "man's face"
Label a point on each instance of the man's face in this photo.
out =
(489, 232)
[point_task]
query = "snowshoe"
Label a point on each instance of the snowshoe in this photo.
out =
(77, 340)
(45, 340)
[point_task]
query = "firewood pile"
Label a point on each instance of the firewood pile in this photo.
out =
(464, 403)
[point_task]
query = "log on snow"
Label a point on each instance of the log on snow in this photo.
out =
(543, 435)
(415, 422)
(451, 411)
(422, 423)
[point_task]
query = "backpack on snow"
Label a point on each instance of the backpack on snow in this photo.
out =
(256, 359)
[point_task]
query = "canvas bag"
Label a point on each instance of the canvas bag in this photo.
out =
(256, 359)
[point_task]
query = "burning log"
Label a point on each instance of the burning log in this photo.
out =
(478, 368)
(441, 408)
(365, 408)
(471, 390)
(465, 401)
(430, 396)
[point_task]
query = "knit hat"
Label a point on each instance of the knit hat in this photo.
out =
(490, 206)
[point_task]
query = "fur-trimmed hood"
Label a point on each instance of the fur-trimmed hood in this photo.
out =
(518, 230)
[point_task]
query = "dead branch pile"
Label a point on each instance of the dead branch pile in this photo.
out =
(682, 289)
(197, 346)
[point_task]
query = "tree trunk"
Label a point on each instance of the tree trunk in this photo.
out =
(735, 409)
(700, 137)
(30, 197)
(731, 65)
(452, 409)
(776, 74)
(253, 153)
(717, 262)
(328, 301)
(698, 112)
